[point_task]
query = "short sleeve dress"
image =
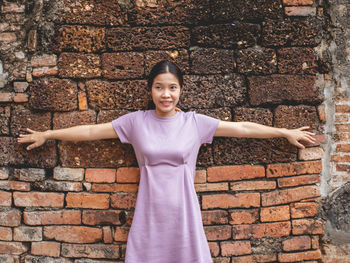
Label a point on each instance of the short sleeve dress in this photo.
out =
(167, 225)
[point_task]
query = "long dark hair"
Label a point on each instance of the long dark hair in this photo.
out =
(163, 66)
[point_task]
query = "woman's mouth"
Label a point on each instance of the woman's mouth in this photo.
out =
(165, 103)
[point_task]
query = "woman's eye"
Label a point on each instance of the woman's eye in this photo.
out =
(173, 87)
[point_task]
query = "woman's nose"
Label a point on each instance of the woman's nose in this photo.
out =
(165, 93)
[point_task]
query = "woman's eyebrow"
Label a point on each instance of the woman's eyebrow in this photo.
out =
(161, 83)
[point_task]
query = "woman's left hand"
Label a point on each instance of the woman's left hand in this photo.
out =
(296, 135)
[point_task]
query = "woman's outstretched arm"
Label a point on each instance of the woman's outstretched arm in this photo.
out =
(254, 130)
(75, 133)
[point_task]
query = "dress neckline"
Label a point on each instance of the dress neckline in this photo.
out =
(155, 116)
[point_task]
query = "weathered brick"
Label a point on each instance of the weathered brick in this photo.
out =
(237, 35)
(300, 11)
(101, 153)
(27, 233)
(256, 61)
(253, 151)
(243, 259)
(113, 188)
(68, 119)
(22, 118)
(100, 175)
(8, 37)
(46, 60)
(313, 153)
(222, 113)
(20, 86)
(258, 115)
(278, 229)
(308, 226)
(6, 97)
(128, 175)
(343, 147)
(82, 101)
(73, 234)
(7, 153)
(298, 2)
(292, 117)
(143, 38)
(235, 173)
(212, 61)
(297, 243)
(299, 180)
(278, 89)
(235, 248)
(81, 38)
(4, 173)
(275, 213)
(301, 210)
(13, 248)
(110, 217)
(217, 232)
(245, 200)
(163, 12)
(121, 234)
(252, 185)
(123, 200)
(87, 200)
(207, 187)
(78, 65)
(5, 198)
(315, 242)
(38, 199)
(10, 217)
(119, 94)
(44, 259)
(107, 235)
(20, 97)
(265, 258)
(58, 94)
(68, 174)
(5, 234)
(238, 217)
(9, 7)
(212, 91)
(46, 248)
(61, 217)
(122, 65)
(90, 251)
(179, 56)
(295, 168)
(30, 174)
(18, 186)
(214, 249)
(61, 186)
(200, 176)
(299, 256)
(289, 195)
(296, 32)
(214, 217)
(297, 60)
(5, 120)
(44, 71)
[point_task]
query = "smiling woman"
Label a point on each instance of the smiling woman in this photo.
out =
(167, 224)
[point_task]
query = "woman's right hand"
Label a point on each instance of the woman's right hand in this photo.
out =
(38, 138)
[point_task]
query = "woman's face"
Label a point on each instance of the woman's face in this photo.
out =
(166, 92)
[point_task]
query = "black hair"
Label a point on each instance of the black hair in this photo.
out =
(163, 66)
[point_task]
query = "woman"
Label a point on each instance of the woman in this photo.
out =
(167, 225)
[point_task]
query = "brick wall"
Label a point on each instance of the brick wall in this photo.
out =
(66, 63)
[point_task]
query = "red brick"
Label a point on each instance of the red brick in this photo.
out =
(6, 233)
(121, 234)
(264, 258)
(5, 96)
(299, 180)
(128, 175)
(107, 235)
(92, 217)
(234, 173)
(315, 242)
(342, 128)
(301, 210)
(297, 243)
(5, 198)
(296, 168)
(244, 200)
(13, 248)
(207, 187)
(252, 185)
(299, 256)
(214, 249)
(82, 101)
(343, 148)
(73, 234)
(45, 71)
(20, 97)
(90, 251)
(61, 217)
(200, 176)
(342, 108)
(46, 248)
(4, 173)
(19, 186)
(87, 200)
(20, 86)
(308, 226)
(238, 217)
(243, 259)
(312, 153)
(27, 233)
(275, 213)
(110, 188)
(95, 175)
(235, 248)
(217, 232)
(298, 2)
(38, 199)
(10, 218)
(289, 195)
(214, 217)
(123, 201)
(278, 229)
(300, 11)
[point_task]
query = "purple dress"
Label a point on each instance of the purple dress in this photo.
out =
(167, 225)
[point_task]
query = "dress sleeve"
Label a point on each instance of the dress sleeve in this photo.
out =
(124, 127)
(206, 127)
